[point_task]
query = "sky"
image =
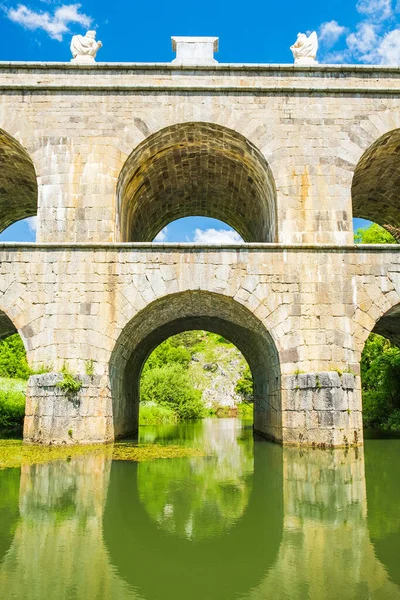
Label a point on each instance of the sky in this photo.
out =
(350, 31)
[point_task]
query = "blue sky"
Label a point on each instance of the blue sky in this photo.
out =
(350, 31)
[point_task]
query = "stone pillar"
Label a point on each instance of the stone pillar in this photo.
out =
(54, 417)
(322, 409)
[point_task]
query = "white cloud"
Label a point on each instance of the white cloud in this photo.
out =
(32, 223)
(363, 42)
(388, 51)
(375, 9)
(216, 236)
(374, 40)
(330, 32)
(162, 236)
(55, 25)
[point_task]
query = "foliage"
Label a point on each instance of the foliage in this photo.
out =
(156, 414)
(12, 403)
(244, 385)
(69, 384)
(245, 411)
(89, 367)
(374, 234)
(380, 373)
(170, 386)
(169, 352)
(13, 361)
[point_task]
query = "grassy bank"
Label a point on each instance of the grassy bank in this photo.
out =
(12, 403)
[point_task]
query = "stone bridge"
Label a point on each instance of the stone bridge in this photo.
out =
(107, 155)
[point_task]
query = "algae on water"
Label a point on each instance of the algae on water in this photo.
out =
(14, 453)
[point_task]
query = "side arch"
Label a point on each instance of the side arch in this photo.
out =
(196, 169)
(18, 183)
(183, 311)
(376, 181)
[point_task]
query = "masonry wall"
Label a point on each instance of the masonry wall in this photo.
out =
(71, 304)
(79, 125)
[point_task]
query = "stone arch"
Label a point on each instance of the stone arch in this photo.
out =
(196, 169)
(18, 183)
(376, 182)
(184, 311)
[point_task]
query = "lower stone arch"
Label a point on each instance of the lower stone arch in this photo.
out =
(183, 311)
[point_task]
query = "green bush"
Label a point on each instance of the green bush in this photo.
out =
(380, 374)
(244, 385)
(156, 414)
(245, 411)
(13, 361)
(69, 384)
(168, 353)
(170, 386)
(12, 403)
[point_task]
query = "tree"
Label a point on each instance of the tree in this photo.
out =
(373, 234)
(380, 373)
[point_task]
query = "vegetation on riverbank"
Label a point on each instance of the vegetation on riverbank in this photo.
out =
(12, 403)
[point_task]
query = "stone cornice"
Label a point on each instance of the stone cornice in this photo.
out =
(190, 247)
(219, 78)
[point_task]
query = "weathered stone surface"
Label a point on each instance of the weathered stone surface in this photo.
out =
(270, 150)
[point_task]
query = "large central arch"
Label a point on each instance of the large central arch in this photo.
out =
(196, 169)
(195, 310)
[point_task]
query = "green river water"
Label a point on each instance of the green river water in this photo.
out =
(250, 521)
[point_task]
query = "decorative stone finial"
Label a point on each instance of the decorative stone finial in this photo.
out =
(195, 50)
(84, 48)
(305, 49)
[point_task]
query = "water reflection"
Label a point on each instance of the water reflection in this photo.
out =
(199, 499)
(248, 522)
(382, 469)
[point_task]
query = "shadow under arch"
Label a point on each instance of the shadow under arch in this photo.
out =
(196, 169)
(191, 310)
(376, 181)
(382, 472)
(18, 183)
(163, 565)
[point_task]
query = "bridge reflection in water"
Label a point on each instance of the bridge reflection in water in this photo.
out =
(251, 521)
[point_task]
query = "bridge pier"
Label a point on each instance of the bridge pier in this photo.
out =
(318, 410)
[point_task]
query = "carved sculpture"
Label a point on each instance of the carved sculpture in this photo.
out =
(84, 48)
(305, 49)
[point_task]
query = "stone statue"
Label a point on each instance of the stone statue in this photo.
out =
(305, 49)
(84, 48)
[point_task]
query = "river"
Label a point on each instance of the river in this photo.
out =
(250, 521)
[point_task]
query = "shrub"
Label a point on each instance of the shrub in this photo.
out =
(13, 361)
(170, 386)
(244, 385)
(156, 414)
(167, 353)
(245, 410)
(12, 403)
(69, 384)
